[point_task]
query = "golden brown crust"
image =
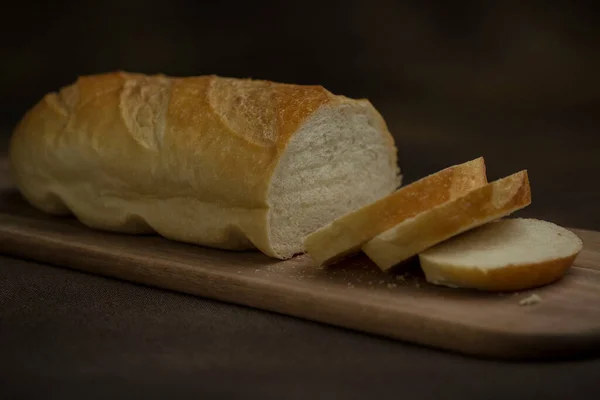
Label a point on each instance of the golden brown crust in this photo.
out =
(489, 202)
(496, 198)
(264, 113)
(105, 112)
(347, 234)
(509, 278)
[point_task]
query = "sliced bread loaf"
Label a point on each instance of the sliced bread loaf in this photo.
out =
(348, 233)
(226, 163)
(509, 254)
(477, 207)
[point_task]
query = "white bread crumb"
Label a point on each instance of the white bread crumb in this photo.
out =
(531, 300)
(512, 245)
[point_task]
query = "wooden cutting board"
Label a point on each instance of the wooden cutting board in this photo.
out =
(354, 294)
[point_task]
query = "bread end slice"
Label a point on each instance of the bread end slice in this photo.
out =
(504, 255)
(347, 234)
(477, 207)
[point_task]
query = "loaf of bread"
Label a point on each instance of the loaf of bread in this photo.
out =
(347, 234)
(226, 163)
(479, 206)
(504, 255)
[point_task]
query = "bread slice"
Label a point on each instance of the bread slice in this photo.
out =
(487, 203)
(509, 254)
(348, 233)
(228, 163)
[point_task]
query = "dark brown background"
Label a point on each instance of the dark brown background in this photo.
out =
(516, 82)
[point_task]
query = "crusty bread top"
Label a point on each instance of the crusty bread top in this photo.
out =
(261, 112)
(349, 232)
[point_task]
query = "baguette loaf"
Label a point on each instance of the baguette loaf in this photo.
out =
(348, 233)
(504, 255)
(412, 236)
(226, 163)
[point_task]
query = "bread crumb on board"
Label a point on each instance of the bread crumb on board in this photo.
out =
(531, 300)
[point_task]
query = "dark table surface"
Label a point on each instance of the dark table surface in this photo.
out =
(68, 334)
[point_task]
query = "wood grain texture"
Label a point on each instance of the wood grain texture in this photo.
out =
(354, 294)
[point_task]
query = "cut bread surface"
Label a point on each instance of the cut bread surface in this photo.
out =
(337, 162)
(348, 233)
(508, 254)
(479, 206)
